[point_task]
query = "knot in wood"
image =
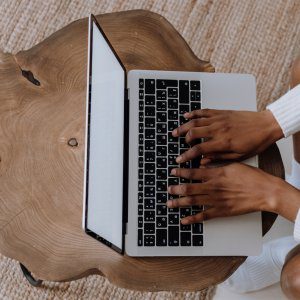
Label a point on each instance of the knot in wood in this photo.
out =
(73, 142)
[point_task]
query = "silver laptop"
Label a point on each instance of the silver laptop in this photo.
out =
(130, 151)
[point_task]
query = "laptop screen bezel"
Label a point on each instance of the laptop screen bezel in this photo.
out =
(93, 20)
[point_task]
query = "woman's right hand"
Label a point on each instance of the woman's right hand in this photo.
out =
(228, 134)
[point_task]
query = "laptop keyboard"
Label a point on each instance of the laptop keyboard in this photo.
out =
(162, 104)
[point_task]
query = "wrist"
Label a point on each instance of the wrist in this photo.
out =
(272, 127)
(283, 199)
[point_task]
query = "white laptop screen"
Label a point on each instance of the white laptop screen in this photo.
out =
(104, 169)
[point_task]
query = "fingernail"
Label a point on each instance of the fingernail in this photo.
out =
(179, 159)
(184, 221)
(186, 115)
(169, 203)
(169, 189)
(175, 132)
(173, 172)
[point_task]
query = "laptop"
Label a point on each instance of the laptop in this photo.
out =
(129, 151)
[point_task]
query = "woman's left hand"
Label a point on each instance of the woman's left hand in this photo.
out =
(231, 190)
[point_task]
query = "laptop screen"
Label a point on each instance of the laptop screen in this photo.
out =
(105, 138)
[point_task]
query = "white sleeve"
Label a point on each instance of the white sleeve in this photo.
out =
(286, 111)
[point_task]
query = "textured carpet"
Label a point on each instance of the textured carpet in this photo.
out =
(259, 37)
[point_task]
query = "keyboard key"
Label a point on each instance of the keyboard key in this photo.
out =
(141, 162)
(161, 222)
(198, 96)
(149, 179)
(172, 114)
(171, 138)
(149, 111)
(149, 168)
(149, 215)
(185, 211)
(195, 105)
(173, 219)
(161, 105)
(140, 210)
(149, 134)
(173, 235)
(149, 228)
(161, 197)
(196, 162)
(193, 96)
(197, 240)
(149, 191)
(150, 86)
(161, 174)
(141, 94)
(161, 128)
(161, 162)
(161, 186)
(185, 227)
(172, 93)
(172, 159)
(173, 148)
(140, 222)
(185, 239)
(141, 127)
(172, 125)
(195, 85)
(183, 91)
(150, 122)
(161, 237)
(149, 145)
(149, 240)
(161, 95)
(173, 210)
(141, 150)
(141, 116)
(161, 140)
(140, 185)
(140, 237)
(161, 210)
(186, 164)
(141, 105)
(141, 83)
(149, 156)
(140, 197)
(149, 203)
(161, 117)
(149, 100)
(141, 174)
(183, 108)
(173, 181)
(197, 228)
(163, 83)
(182, 120)
(182, 143)
(141, 139)
(161, 150)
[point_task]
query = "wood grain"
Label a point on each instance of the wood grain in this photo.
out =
(42, 112)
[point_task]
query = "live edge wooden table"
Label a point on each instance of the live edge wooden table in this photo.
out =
(42, 113)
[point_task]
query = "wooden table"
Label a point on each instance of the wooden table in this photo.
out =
(42, 112)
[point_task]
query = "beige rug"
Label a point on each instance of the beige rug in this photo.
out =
(259, 37)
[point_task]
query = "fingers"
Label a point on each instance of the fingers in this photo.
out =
(189, 201)
(202, 174)
(197, 150)
(202, 216)
(197, 133)
(220, 156)
(201, 113)
(189, 189)
(183, 129)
